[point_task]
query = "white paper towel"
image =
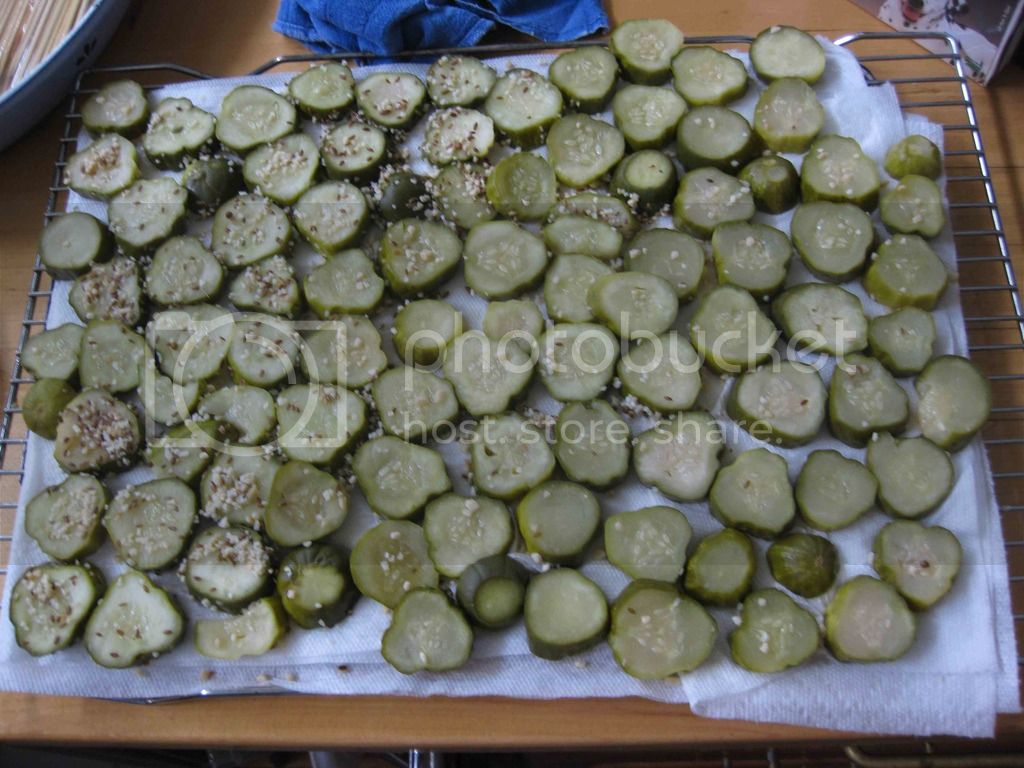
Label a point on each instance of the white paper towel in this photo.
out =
(962, 670)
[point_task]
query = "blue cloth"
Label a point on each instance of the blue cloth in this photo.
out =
(390, 26)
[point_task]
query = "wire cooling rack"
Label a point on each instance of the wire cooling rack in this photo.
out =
(930, 83)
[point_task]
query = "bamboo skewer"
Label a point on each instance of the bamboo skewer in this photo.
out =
(34, 29)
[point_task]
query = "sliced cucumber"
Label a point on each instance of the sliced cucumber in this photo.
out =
(398, 478)
(235, 489)
(64, 519)
(457, 134)
(508, 456)
(502, 259)
(833, 492)
(353, 150)
(662, 372)
(346, 352)
(424, 328)
(708, 197)
(427, 633)
(679, 456)
(954, 401)
(581, 235)
(788, 115)
(391, 99)
(412, 403)
(754, 257)
(833, 239)
(96, 432)
(249, 411)
(111, 357)
(558, 520)
(523, 104)
(730, 332)
(673, 256)
(105, 167)
(324, 90)
(592, 443)
(183, 271)
(583, 149)
(634, 304)
(135, 621)
(577, 360)
(247, 229)
(775, 633)
(822, 318)
(346, 284)
(177, 130)
(517, 321)
(783, 403)
(118, 107)
(71, 243)
(185, 451)
(461, 194)
(110, 291)
(606, 208)
(773, 182)
(715, 137)
(721, 570)
(566, 613)
(586, 77)
(903, 341)
(264, 350)
(147, 213)
(837, 170)
(781, 51)
(149, 524)
(913, 207)
(753, 494)
(259, 628)
(492, 591)
(648, 543)
(192, 342)
(227, 567)
(416, 256)
(913, 155)
(704, 75)
(315, 586)
(921, 562)
(647, 115)
(43, 404)
(49, 603)
(268, 286)
(645, 48)
(251, 115)
(305, 504)
(164, 401)
(459, 81)
(864, 398)
(805, 564)
(53, 354)
(211, 182)
(522, 186)
(914, 475)
(567, 284)
(390, 560)
(402, 195)
(486, 374)
(906, 273)
(647, 177)
(284, 170)
(657, 632)
(462, 530)
(318, 422)
(868, 621)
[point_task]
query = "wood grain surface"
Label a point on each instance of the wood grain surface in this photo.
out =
(230, 38)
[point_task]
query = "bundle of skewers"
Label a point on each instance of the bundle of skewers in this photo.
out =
(31, 30)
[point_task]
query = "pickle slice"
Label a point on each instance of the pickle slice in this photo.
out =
(679, 456)
(567, 284)
(822, 318)
(705, 75)
(634, 304)
(721, 568)
(647, 115)
(715, 137)
(864, 398)
(914, 475)
(775, 633)
(954, 401)
(914, 207)
(903, 340)
(508, 456)
(577, 360)
(674, 256)
(427, 633)
(648, 543)
(565, 614)
(582, 149)
(592, 443)
(662, 372)
(645, 48)
(753, 494)
(558, 520)
(922, 562)
(805, 564)
(833, 239)
(915, 155)
(837, 170)
(754, 257)
(868, 621)
(708, 197)
(906, 273)
(781, 51)
(788, 115)
(833, 491)
(774, 183)
(782, 403)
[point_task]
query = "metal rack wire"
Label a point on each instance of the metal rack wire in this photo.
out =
(933, 84)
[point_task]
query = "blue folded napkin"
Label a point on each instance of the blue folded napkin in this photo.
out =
(390, 26)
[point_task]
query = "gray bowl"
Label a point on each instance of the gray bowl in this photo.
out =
(27, 102)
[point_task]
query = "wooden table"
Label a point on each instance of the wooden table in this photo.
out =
(231, 38)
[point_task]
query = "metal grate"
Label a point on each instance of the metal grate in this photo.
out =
(933, 84)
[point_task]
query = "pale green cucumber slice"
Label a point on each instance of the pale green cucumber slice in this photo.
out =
(581, 235)
(346, 284)
(391, 99)
(679, 456)
(647, 115)
(177, 130)
(645, 48)
(781, 51)
(522, 186)
(647, 179)
(673, 256)
(64, 519)
(954, 401)
(921, 562)
(662, 372)
(648, 543)
(264, 350)
(427, 634)
(566, 285)
(605, 208)
(324, 90)
(71, 243)
(257, 630)
(412, 403)
(105, 167)
(502, 259)
(557, 521)
(424, 328)
(577, 360)
(236, 488)
(782, 403)
(707, 197)
(460, 192)
(459, 81)
(833, 492)
(565, 614)
(400, 194)
(751, 256)
(730, 332)
(868, 621)
(788, 115)
(508, 456)
(111, 357)
(247, 229)
(721, 569)
(96, 432)
(345, 351)
(150, 524)
(457, 134)
(42, 405)
(164, 401)
(353, 150)
(251, 115)
(753, 494)
(191, 343)
(903, 341)
(305, 504)
(318, 422)
(705, 75)
(492, 591)
(391, 560)
(864, 398)
(53, 354)
(416, 256)
(833, 239)
(331, 216)
(109, 291)
(634, 304)
(837, 170)
(268, 286)
(523, 104)
(913, 155)
(914, 475)
(211, 182)
(227, 567)
(773, 182)
(592, 443)
(249, 411)
(398, 478)
(315, 586)
(913, 207)
(147, 213)
(516, 321)
(775, 633)
(715, 137)
(486, 374)
(906, 273)
(118, 107)
(805, 564)
(583, 149)
(822, 318)
(185, 451)
(183, 271)
(284, 170)
(586, 77)
(49, 604)
(461, 530)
